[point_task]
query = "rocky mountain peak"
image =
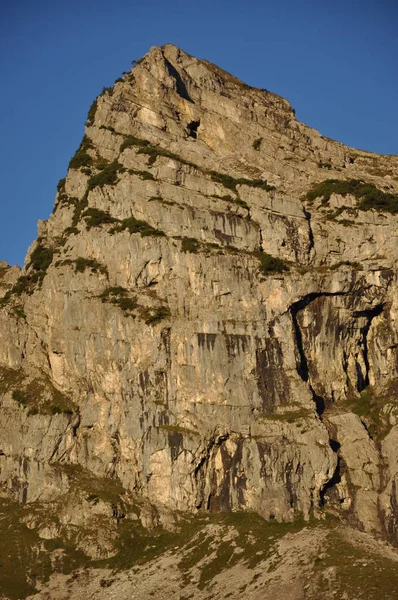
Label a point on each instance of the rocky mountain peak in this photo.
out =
(206, 323)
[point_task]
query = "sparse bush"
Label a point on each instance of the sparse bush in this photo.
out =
(153, 316)
(107, 176)
(270, 264)
(81, 205)
(91, 113)
(82, 158)
(131, 141)
(231, 182)
(81, 264)
(134, 225)
(41, 258)
(119, 297)
(41, 397)
(369, 196)
(145, 147)
(70, 231)
(61, 185)
(95, 218)
(154, 151)
(191, 245)
(145, 175)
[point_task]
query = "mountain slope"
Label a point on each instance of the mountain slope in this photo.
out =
(206, 322)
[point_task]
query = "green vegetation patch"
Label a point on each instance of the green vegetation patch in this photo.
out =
(369, 408)
(10, 379)
(95, 217)
(25, 558)
(154, 151)
(270, 264)
(41, 397)
(119, 296)
(80, 206)
(61, 185)
(145, 175)
(107, 176)
(133, 225)
(93, 108)
(131, 140)
(369, 196)
(40, 259)
(80, 264)
(255, 536)
(91, 113)
(191, 245)
(65, 200)
(230, 182)
(359, 570)
(82, 158)
(151, 316)
(145, 147)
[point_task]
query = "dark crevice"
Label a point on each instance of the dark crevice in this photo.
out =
(329, 490)
(334, 480)
(214, 442)
(370, 314)
(310, 233)
(366, 429)
(334, 444)
(319, 401)
(295, 308)
(302, 365)
(193, 129)
(180, 85)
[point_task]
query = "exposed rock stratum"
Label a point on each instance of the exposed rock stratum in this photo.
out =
(206, 324)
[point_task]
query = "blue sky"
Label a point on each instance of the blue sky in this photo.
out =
(335, 61)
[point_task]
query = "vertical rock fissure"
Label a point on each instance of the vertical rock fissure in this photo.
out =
(303, 371)
(201, 468)
(302, 365)
(295, 308)
(181, 88)
(311, 241)
(369, 314)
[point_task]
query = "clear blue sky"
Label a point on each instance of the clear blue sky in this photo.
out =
(334, 60)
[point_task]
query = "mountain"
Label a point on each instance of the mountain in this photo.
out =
(199, 358)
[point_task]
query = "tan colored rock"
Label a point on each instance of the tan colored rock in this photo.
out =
(196, 380)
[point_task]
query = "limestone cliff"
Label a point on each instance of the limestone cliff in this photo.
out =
(208, 319)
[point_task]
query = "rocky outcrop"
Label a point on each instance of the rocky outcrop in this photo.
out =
(201, 323)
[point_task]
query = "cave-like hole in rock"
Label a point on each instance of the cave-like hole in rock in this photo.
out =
(193, 129)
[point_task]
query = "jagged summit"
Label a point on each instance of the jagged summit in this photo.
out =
(207, 323)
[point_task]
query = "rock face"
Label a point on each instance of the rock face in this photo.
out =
(200, 321)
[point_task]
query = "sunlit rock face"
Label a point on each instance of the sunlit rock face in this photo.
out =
(198, 321)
